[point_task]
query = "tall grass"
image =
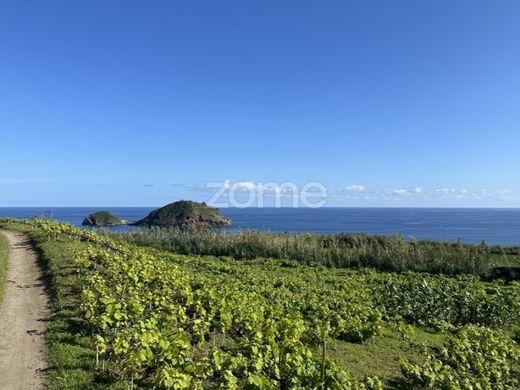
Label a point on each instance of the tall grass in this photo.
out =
(387, 253)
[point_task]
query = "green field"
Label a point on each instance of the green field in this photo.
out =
(128, 315)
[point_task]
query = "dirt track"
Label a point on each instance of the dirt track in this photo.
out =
(23, 319)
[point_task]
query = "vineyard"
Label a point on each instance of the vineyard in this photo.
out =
(158, 319)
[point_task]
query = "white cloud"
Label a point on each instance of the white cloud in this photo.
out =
(355, 188)
(416, 193)
(355, 193)
(446, 190)
(245, 185)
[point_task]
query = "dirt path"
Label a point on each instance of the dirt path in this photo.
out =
(23, 319)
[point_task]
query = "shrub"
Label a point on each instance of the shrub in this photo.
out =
(476, 358)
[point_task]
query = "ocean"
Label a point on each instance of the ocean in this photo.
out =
(495, 226)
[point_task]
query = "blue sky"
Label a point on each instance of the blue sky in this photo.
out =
(387, 103)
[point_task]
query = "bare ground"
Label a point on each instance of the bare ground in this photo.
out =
(24, 313)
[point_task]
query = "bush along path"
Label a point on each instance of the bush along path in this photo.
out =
(23, 317)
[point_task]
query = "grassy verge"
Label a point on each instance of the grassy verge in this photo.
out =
(4, 254)
(71, 351)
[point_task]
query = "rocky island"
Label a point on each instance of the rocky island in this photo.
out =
(103, 218)
(185, 214)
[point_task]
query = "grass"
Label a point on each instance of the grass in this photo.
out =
(4, 254)
(71, 355)
(380, 356)
(505, 260)
(384, 253)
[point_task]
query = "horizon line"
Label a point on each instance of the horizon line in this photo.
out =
(283, 207)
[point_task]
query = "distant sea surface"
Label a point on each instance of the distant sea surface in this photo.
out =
(496, 226)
